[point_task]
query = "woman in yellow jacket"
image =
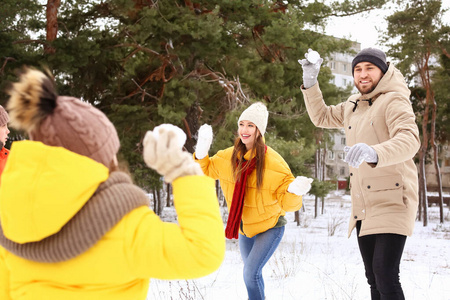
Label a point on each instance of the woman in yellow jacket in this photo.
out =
(73, 227)
(259, 188)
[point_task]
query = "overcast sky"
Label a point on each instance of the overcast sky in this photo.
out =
(367, 28)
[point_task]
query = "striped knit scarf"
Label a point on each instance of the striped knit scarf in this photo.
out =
(113, 199)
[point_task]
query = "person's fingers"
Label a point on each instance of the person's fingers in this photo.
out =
(149, 153)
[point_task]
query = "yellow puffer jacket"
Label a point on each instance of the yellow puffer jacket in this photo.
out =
(43, 187)
(262, 208)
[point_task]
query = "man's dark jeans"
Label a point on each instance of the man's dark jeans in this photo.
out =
(381, 254)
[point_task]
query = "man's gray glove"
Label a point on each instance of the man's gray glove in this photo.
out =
(311, 67)
(163, 152)
(358, 153)
(204, 140)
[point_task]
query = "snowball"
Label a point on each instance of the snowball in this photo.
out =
(313, 57)
(181, 136)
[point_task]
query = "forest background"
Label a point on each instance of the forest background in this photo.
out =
(148, 62)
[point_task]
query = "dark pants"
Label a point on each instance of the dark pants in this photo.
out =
(381, 254)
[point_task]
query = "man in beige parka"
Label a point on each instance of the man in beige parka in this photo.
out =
(382, 138)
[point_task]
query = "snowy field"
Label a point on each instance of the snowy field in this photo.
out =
(316, 261)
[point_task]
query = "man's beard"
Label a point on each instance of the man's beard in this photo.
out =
(368, 92)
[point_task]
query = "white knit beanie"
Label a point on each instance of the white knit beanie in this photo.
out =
(256, 113)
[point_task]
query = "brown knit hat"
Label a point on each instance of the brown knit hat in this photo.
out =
(4, 117)
(62, 121)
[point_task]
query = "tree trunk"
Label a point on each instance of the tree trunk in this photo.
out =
(316, 171)
(168, 195)
(435, 155)
(318, 168)
(52, 24)
(155, 202)
(158, 194)
(316, 204)
(191, 126)
(297, 217)
(218, 190)
(423, 69)
(423, 163)
(220, 196)
(422, 184)
(323, 174)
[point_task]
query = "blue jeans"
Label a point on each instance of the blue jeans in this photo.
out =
(381, 254)
(255, 253)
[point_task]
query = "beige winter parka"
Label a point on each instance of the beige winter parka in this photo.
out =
(384, 195)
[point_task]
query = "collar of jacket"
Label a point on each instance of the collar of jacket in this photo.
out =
(113, 199)
(249, 154)
(4, 153)
(392, 81)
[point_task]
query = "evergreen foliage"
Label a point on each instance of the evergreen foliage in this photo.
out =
(147, 62)
(420, 41)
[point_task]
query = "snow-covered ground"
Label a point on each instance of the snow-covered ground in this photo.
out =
(316, 261)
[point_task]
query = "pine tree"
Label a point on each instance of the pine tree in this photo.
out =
(420, 37)
(145, 62)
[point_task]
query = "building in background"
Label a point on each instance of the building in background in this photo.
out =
(341, 68)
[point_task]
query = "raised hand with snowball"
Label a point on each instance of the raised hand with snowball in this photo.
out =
(311, 67)
(163, 152)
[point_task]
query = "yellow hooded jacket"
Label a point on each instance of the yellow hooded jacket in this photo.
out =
(43, 187)
(262, 208)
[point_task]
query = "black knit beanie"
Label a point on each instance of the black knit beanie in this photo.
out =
(372, 55)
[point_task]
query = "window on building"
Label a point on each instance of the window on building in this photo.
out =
(330, 172)
(344, 67)
(342, 171)
(342, 140)
(332, 65)
(342, 155)
(330, 155)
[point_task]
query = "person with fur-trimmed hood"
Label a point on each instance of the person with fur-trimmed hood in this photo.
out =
(75, 227)
(4, 131)
(382, 138)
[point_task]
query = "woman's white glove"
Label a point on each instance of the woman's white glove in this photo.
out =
(204, 140)
(311, 67)
(358, 153)
(300, 186)
(163, 152)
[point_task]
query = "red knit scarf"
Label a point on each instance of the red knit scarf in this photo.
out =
(235, 215)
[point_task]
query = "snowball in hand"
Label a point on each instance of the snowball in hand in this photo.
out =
(313, 57)
(181, 136)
